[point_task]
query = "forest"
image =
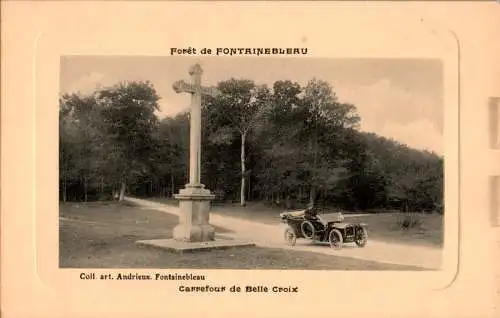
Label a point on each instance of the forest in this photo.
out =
(288, 144)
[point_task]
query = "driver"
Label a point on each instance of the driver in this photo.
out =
(311, 210)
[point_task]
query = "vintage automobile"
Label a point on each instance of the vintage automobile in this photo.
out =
(326, 228)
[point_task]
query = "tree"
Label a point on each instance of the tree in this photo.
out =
(277, 136)
(79, 141)
(325, 119)
(241, 105)
(174, 153)
(130, 121)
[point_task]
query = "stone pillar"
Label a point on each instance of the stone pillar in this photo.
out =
(194, 199)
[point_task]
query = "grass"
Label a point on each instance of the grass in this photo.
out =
(385, 227)
(104, 236)
(258, 212)
(381, 226)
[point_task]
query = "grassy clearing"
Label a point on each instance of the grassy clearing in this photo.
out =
(381, 226)
(386, 227)
(104, 235)
(258, 212)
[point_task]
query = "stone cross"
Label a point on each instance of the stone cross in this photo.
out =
(194, 200)
(196, 91)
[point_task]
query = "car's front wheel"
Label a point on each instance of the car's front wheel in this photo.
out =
(361, 237)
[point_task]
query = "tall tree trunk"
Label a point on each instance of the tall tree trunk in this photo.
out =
(116, 191)
(85, 188)
(172, 186)
(65, 186)
(288, 203)
(122, 190)
(243, 177)
(249, 192)
(312, 195)
(314, 143)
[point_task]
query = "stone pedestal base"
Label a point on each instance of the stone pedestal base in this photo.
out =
(194, 205)
(174, 245)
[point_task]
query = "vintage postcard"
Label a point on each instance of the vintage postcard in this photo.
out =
(199, 158)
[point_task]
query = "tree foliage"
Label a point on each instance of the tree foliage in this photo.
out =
(288, 144)
(108, 138)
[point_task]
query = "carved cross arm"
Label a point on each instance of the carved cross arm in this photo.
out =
(183, 87)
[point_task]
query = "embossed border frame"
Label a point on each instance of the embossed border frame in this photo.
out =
(69, 284)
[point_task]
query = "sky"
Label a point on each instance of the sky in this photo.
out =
(397, 98)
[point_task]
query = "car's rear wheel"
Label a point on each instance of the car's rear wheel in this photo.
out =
(307, 229)
(290, 236)
(335, 238)
(361, 236)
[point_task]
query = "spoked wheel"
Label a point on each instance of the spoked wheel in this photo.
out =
(361, 237)
(290, 236)
(307, 229)
(335, 238)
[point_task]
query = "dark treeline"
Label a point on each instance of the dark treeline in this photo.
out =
(285, 144)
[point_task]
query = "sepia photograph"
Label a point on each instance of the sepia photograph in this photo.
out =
(251, 163)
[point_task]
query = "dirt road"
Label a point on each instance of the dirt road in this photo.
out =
(272, 236)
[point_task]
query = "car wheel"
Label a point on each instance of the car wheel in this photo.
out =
(335, 238)
(290, 236)
(361, 237)
(307, 229)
